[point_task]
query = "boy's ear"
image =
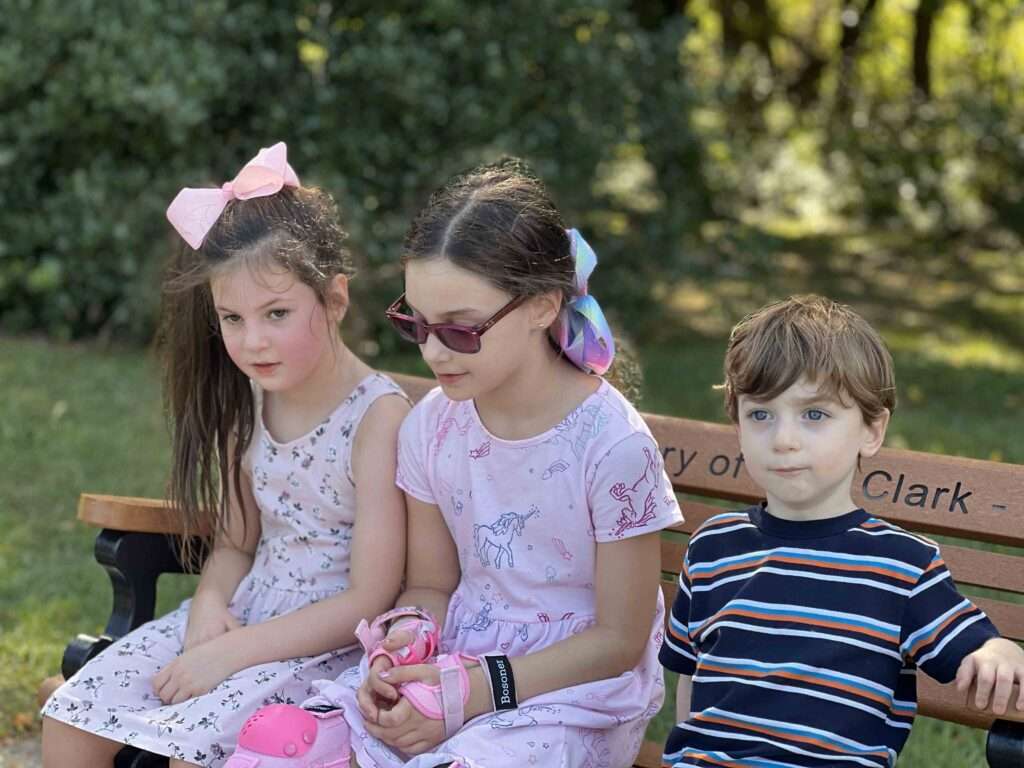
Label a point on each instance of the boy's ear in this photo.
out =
(874, 434)
(336, 298)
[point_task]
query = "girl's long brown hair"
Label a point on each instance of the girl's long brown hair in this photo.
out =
(209, 402)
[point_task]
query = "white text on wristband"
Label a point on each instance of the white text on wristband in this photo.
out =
(503, 684)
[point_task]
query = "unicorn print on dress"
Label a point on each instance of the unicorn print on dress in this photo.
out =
(522, 717)
(562, 549)
(499, 535)
(558, 466)
(457, 506)
(482, 620)
(446, 427)
(638, 498)
(587, 423)
(598, 753)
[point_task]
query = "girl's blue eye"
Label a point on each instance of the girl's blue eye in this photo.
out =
(278, 314)
(816, 414)
(759, 415)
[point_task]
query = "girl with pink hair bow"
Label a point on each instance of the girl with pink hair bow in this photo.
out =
(284, 457)
(535, 494)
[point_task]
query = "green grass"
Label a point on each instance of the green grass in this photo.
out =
(76, 418)
(71, 419)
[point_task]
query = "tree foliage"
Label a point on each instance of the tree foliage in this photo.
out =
(109, 108)
(648, 119)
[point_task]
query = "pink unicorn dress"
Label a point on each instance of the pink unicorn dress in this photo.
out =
(526, 517)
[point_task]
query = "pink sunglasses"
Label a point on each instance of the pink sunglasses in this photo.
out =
(464, 339)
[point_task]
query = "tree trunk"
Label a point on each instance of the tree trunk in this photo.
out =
(924, 22)
(746, 21)
(854, 21)
(652, 14)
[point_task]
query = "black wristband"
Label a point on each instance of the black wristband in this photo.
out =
(503, 685)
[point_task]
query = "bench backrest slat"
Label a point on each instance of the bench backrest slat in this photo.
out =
(930, 493)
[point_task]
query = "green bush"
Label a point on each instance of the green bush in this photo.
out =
(109, 108)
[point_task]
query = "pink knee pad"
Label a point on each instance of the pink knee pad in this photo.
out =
(285, 736)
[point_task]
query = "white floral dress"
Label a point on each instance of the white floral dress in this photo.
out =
(306, 496)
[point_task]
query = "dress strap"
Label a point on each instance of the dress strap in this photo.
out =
(366, 393)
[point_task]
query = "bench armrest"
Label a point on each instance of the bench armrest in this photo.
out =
(136, 545)
(128, 513)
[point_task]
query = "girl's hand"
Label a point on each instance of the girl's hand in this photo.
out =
(995, 666)
(195, 672)
(208, 618)
(403, 727)
(375, 694)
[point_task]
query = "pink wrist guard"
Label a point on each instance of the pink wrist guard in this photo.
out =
(447, 700)
(415, 620)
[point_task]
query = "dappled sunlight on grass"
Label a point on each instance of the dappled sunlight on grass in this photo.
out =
(958, 349)
(954, 301)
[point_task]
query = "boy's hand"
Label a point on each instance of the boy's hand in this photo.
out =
(998, 663)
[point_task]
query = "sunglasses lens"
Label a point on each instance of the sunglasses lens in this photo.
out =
(408, 329)
(465, 342)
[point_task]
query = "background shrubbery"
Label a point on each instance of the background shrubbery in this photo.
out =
(676, 134)
(109, 108)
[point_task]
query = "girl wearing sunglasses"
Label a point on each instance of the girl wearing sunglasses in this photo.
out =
(535, 495)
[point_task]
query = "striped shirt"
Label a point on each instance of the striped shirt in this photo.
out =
(803, 639)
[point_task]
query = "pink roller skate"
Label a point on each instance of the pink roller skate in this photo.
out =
(285, 736)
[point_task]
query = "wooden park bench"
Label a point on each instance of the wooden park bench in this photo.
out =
(978, 502)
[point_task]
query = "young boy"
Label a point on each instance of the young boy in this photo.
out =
(800, 623)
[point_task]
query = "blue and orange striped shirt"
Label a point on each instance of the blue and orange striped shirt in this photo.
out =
(803, 639)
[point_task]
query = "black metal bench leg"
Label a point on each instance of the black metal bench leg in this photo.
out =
(133, 562)
(1005, 746)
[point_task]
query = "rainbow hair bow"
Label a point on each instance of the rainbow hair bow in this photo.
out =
(194, 211)
(582, 331)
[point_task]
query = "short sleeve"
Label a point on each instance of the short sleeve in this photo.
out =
(677, 652)
(413, 453)
(941, 626)
(629, 493)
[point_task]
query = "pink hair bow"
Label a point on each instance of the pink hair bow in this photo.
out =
(194, 211)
